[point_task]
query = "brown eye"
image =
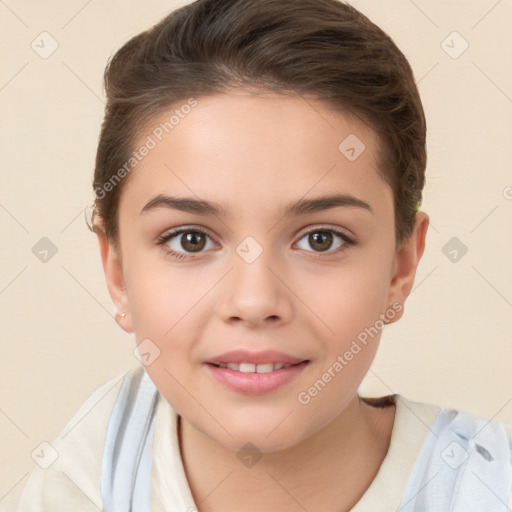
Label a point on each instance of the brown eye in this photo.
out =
(193, 241)
(183, 243)
(320, 240)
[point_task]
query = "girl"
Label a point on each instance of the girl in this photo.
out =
(258, 181)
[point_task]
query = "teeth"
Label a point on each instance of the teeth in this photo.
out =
(254, 368)
(264, 368)
(247, 367)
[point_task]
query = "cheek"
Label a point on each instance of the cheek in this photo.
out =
(160, 297)
(168, 308)
(350, 298)
(351, 307)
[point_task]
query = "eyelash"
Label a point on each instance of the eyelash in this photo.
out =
(182, 256)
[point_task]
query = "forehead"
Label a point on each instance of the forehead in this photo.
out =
(263, 148)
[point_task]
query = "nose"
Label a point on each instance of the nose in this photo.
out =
(255, 294)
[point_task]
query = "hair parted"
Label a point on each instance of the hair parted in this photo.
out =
(323, 48)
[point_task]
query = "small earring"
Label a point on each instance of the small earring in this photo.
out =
(122, 315)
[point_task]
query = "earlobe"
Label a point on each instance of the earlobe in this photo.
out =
(406, 262)
(113, 269)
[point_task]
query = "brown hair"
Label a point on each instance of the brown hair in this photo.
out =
(323, 48)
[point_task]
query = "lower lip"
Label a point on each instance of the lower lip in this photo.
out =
(254, 383)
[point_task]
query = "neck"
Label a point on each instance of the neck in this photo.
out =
(328, 471)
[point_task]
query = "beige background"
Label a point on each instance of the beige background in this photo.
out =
(59, 339)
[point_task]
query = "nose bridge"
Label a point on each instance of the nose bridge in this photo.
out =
(254, 292)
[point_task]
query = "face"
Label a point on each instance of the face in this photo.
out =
(235, 268)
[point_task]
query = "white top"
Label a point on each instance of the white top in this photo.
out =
(72, 480)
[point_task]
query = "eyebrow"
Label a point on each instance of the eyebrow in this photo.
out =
(295, 208)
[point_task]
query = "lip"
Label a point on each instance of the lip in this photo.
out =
(254, 383)
(261, 357)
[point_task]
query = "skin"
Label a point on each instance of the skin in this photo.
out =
(253, 154)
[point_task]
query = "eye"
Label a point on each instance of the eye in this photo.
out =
(182, 243)
(322, 239)
(190, 240)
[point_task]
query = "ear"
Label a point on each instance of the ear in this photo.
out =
(113, 268)
(407, 258)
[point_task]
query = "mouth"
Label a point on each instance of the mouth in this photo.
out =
(255, 373)
(248, 361)
(256, 368)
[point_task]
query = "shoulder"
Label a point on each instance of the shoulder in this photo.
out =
(464, 423)
(475, 431)
(68, 472)
(464, 457)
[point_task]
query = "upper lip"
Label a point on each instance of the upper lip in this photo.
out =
(246, 356)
